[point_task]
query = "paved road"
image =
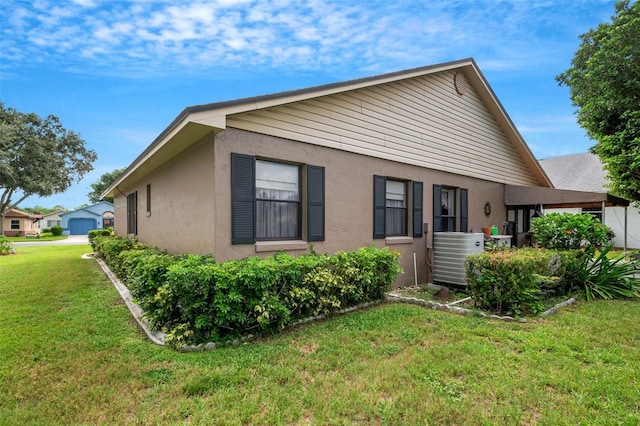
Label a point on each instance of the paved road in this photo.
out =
(71, 240)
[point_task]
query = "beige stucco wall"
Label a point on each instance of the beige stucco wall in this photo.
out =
(27, 226)
(182, 203)
(191, 209)
(349, 196)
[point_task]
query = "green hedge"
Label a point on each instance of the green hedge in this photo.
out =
(195, 299)
(93, 234)
(515, 282)
(56, 231)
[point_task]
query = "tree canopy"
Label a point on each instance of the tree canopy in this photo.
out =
(604, 82)
(102, 184)
(38, 156)
(44, 210)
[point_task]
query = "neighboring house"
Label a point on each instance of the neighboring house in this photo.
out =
(19, 224)
(81, 221)
(51, 219)
(584, 172)
(387, 160)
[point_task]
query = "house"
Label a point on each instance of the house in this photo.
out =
(585, 172)
(81, 221)
(387, 160)
(51, 219)
(17, 223)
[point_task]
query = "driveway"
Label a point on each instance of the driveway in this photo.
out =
(71, 240)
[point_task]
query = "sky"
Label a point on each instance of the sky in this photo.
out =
(118, 72)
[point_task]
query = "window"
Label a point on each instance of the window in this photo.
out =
(446, 210)
(391, 208)
(448, 206)
(132, 214)
(148, 198)
(15, 224)
(277, 201)
(107, 220)
(396, 208)
(267, 200)
(51, 223)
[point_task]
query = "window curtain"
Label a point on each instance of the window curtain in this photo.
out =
(396, 218)
(277, 214)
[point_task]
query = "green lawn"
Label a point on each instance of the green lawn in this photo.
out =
(71, 354)
(43, 237)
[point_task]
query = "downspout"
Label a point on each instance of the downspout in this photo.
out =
(625, 230)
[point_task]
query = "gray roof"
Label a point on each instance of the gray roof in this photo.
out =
(578, 172)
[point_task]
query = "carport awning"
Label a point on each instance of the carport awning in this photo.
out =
(551, 197)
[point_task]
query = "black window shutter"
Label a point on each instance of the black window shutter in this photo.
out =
(243, 198)
(379, 206)
(417, 209)
(437, 208)
(135, 213)
(464, 210)
(315, 203)
(132, 213)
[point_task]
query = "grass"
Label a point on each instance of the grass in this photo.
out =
(43, 237)
(71, 354)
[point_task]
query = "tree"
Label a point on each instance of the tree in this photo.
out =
(37, 210)
(44, 210)
(604, 82)
(37, 157)
(101, 185)
(81, 206)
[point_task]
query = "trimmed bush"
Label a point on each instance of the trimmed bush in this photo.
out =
(109, 249)
(515, 282)
(194, 299)
(98, 232)
(566, 231)
(56, 231)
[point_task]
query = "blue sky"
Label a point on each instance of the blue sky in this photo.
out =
(118, 72)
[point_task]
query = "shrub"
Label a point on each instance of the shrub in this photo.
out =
(97, 233)
(515, 282)
(174, 294)
(565, 231)
(46, 231)
(56, 231)
(506, 281)
(109, 248)
(5, 246)
(194, 299)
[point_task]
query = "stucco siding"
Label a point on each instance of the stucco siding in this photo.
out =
(421, 121)
(349, 196)
(181, 218)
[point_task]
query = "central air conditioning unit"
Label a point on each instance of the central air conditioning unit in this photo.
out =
(450, 250)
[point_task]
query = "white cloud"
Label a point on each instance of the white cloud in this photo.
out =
(156, 36)
(86, 3)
